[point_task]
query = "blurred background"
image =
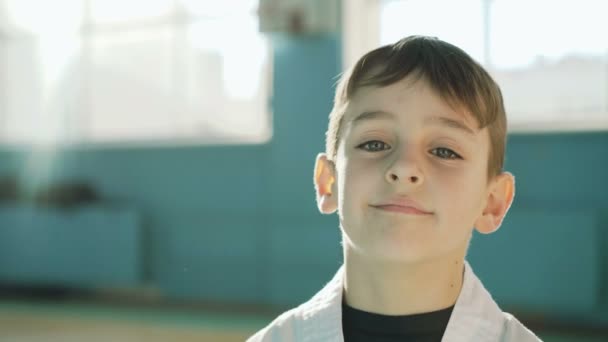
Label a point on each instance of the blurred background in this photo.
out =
(156, 160)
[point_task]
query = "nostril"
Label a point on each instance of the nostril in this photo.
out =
(394, 177)
(414, 179)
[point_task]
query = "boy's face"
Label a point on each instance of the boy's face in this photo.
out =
(410, 177)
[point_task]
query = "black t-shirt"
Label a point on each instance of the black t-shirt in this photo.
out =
(360, 326)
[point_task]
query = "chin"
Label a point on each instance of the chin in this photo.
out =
(397, 251)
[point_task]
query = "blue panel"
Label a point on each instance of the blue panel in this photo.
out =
(303, 96)
(8, 163)
(176, 190)
(225, 178)
(560, 170)
(213, 280)
(316, 242)
(303, 258)
(542, 260)
(88, 247)
(216, 259)
(293, 284)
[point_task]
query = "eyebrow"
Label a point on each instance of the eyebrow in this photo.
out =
(371, 115)
(451, 123)
(435, 120)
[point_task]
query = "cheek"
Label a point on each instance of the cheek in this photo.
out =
(460, 193)
(348, 182)
(355, 181)
(343, 177)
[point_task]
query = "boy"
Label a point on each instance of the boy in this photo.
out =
(413, 164)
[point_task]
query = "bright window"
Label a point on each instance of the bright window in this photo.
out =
(130, 72)
(549, 57)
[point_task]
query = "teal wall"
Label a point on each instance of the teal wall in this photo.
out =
(549, 257)
(240, 222)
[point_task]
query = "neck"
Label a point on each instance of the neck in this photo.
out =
(397, 288)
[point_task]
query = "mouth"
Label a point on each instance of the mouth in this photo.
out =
(402, 208)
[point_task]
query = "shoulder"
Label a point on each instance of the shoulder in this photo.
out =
(283, 328)
(514, 330)
(319, 318)
(477, 317)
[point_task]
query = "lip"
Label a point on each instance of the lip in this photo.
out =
(404, 206)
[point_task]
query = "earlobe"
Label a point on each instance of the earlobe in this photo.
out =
(324, 180)
(500, 197)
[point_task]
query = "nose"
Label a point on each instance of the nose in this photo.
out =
(405, 168)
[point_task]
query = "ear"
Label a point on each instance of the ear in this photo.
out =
(500, 197)
(325, 184)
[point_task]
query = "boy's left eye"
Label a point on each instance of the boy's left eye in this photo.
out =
(445, 153)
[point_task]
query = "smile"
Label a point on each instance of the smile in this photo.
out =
(400, 209)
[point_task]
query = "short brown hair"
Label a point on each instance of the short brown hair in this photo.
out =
(451, 72)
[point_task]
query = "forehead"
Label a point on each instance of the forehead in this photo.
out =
(403, 98)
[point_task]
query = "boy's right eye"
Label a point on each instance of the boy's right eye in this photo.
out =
(374, 146)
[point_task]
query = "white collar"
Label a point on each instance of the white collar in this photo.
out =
(476, 317)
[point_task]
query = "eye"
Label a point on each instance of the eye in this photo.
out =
(374, 146)
(445, 153)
